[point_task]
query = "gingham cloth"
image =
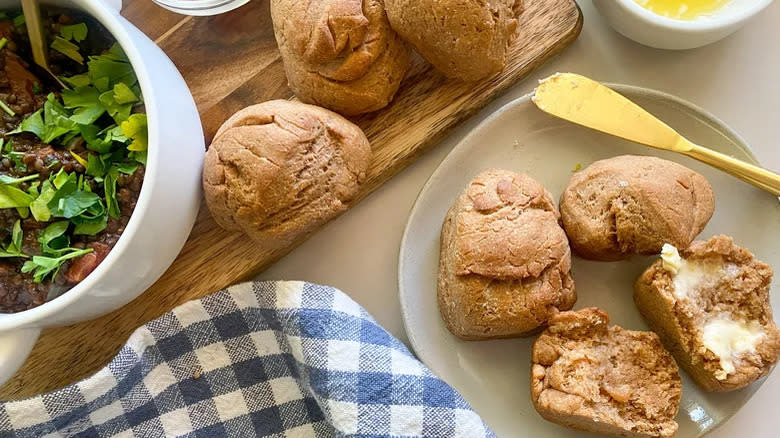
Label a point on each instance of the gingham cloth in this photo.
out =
(284, 359)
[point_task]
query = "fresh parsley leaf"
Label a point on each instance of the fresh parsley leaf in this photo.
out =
(14, 247)
(61, 178)
(7, 179)
(113, 66)
(109, 188)
(52, 123)
(75, 32)
(42, 266)
(85, 101)
(39, 207)
(67, 48)
(127, 168)
(19, 20)
(13, 197)
(76, 81)
(119, 111)
(70, 199)
(73, 204)
(53, 240)
(89, 227)
(123, 94)
(135, 128)
(91, 135)
(57, 120)
(92, 221)
(95, 166)
(33, 123)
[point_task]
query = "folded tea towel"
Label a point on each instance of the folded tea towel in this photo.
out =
(279, 359)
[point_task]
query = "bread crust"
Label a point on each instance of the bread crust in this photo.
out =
(590, 376)
(505, 262)
(742, 291)
(633, 204)
(340, 54)
(464, 39)
(278, 170)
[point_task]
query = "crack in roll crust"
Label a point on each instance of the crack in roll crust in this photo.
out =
(464, 39)
(340, 54)
(590, 376)
(278, 170)
(505, 262)
(739, 289)
(633, 205)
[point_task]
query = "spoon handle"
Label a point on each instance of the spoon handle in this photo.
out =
(758, 176)
(32, 16)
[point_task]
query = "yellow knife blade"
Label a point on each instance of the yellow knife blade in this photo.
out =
(586, 102)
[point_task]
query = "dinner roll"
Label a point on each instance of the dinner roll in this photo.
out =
(592, 376)
(504, 268)
(464, 39)
(340, 54)
(633, 205)
(710, 305)
(278, 170)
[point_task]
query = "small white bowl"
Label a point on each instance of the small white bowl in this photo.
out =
(651, 29)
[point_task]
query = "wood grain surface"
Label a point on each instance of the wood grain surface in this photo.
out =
(231, 61)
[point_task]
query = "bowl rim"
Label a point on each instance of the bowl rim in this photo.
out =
(719, 21)
(34, 317)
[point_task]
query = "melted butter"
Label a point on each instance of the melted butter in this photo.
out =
(682, 9)
(689, 276)
(729, 339)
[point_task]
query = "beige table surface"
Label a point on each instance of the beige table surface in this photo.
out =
(737, 79)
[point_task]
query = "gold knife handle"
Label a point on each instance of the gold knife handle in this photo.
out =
(758, 176)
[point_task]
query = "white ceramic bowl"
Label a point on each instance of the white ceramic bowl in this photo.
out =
(651, 29)
(166, 208)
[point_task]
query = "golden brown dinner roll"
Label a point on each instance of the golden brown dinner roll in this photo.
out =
(340, 54)
(464, 39)
(590, 376)
(710, 306)
(278, 170)
(633, 205)
(505, 261)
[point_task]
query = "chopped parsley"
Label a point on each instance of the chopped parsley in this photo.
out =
(42, 266)
(98, 112)
(7, 108)
(74, 32)
(14, 247)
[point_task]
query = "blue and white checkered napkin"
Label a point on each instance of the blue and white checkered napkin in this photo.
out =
(284, 359)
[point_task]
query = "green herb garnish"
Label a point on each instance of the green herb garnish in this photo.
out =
(3, 42)
(74, 32)
(14, 247)
(7, 108)
(67, 48)
(42, 266)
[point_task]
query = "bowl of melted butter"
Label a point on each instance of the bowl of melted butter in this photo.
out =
(678, 24)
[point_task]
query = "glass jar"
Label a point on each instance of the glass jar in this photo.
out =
(200, 7)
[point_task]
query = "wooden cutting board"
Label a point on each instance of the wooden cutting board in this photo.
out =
(231, 61)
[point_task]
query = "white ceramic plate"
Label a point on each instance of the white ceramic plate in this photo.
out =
(494, 375)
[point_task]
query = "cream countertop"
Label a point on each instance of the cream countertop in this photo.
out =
(358, 252)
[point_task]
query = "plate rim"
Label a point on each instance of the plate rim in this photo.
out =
(629, 90)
